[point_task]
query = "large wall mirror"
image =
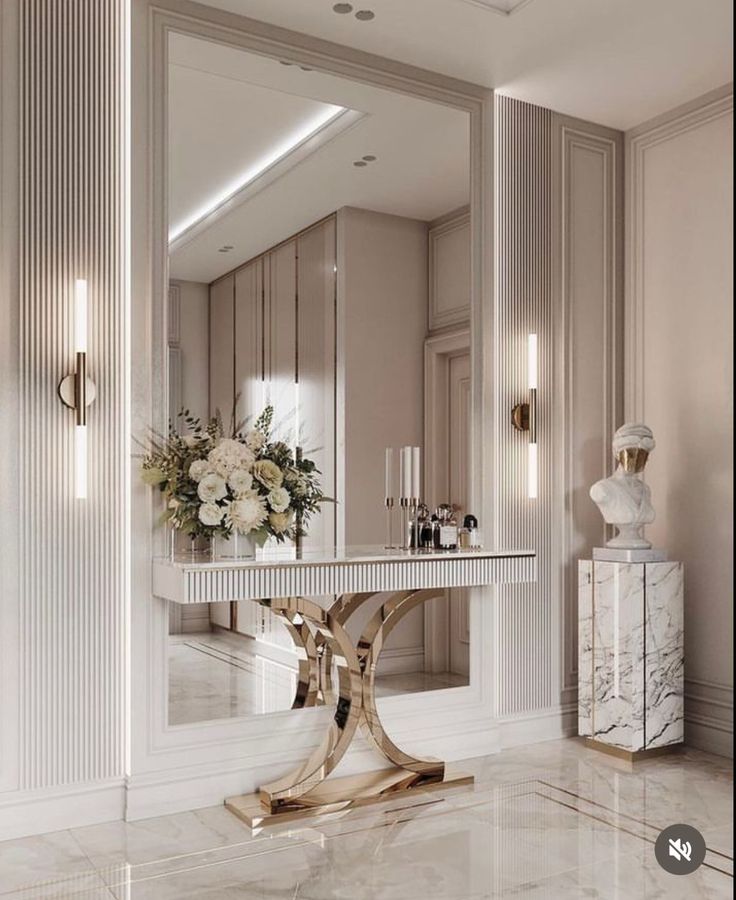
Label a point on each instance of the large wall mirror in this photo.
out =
(319, 260)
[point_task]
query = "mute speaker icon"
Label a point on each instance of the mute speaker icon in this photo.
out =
(680, 850)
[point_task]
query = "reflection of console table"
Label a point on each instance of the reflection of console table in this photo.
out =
(331, 668)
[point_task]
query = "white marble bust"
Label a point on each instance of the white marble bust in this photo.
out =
(624, 499)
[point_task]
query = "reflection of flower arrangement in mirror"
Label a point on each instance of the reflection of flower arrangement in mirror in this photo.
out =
(245, 484)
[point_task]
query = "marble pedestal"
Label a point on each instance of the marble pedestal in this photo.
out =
(630, 655)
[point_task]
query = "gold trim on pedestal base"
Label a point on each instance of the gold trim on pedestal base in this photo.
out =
(631, 755)
(340, 795)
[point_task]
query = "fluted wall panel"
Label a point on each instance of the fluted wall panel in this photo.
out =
(528, 614)
(559, 254)
(72, 225)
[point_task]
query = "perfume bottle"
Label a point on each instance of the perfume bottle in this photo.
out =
(448, 527)
(434, 532)
(468, 535)
(417, 526)
(424, 529)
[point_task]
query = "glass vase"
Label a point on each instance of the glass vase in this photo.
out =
(237, 546)
(186, 548)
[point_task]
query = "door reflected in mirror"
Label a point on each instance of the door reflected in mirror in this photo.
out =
(319, 262)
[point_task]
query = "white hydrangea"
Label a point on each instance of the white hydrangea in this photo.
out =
(210, 514)
(198, 469)
(240, 481)
(255, 440)
(247, 513)
(212, 487)
(279, 500)
(229, 455)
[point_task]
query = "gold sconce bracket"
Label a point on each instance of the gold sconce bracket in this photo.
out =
(524, 416)
(77, 391)
(520, 417)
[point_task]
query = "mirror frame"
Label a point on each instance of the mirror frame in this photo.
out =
(208, 760)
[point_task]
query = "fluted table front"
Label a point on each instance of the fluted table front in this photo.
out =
(333, 670)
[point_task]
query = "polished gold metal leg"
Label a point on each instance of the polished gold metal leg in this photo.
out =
(292, 789)
(370, 645)
(308, 683)
(305, 791)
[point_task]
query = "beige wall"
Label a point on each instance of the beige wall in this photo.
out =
(382, 322)
(679, 373)
(194, 323)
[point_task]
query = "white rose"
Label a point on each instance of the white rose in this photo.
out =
(212, 487)
(279, 500)
(198, 469)
(268, 473)
(280, 521)
(246, 513)
(210, 514)
(255, 440)
(240, 480)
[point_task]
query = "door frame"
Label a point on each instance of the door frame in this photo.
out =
(439, 350)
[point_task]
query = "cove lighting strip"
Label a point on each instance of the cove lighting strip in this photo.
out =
(279, 152)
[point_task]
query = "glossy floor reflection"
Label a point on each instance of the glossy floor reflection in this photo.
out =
(218, 675)
(553, 820)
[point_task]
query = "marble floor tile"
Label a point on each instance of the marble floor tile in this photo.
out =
(554, 820)
(43, 861)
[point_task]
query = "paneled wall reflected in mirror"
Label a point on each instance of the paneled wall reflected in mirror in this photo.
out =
(319, 261)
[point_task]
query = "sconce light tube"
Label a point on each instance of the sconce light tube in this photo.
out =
(80, 315)
(77, 391)
(80, 462)
(533, 374)
(524, 416)
(532, 365)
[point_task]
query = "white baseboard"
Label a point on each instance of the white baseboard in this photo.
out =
(540, 725)
(24, 813)
(401, 660)
(709, 716)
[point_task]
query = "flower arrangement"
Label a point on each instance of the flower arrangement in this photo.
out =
(247, 484)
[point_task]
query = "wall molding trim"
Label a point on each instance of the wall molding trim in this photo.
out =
(709, 716)
(439, 230)
(639, 140)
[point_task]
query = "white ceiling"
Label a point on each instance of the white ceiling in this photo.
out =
(227, 108)
(213, 143)
(617, 62)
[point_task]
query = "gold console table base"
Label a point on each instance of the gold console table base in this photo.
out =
(341, 795)
(327, 651)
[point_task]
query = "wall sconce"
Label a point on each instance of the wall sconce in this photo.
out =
(77, 391)
(524, 416)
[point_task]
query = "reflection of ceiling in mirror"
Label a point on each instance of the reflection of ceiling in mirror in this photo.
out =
(229, 109)
(500, 6)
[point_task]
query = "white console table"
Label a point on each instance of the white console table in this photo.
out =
(332, 669)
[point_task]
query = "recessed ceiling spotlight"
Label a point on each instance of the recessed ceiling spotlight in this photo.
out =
(285, 62)
(342, 8)
(365, 15)
(360, 163)
(370, 158)
(305, 68)
(226, 249)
